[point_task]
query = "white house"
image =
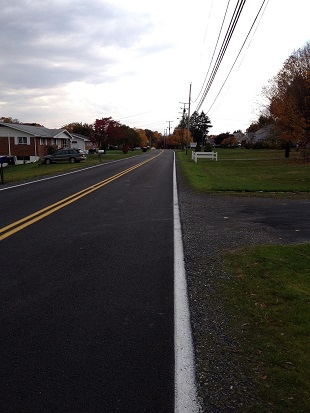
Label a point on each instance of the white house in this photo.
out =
(81, 142)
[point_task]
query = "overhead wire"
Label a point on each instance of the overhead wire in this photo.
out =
(258, 13)
(225, 43)
(218, 38)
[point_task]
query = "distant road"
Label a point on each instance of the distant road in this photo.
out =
(87, 290)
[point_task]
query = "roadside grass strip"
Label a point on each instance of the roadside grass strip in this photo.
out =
(268, 297)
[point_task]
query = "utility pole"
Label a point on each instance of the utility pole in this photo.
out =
(189, 113)
(182, 127)
(169, 121)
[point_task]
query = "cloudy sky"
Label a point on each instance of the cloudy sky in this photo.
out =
(65, 61)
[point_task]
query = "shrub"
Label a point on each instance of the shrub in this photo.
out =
(50, 149)
(208, 147)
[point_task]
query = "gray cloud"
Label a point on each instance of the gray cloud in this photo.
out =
(52, 43)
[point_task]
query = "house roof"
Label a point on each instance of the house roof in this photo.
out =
(37, 131)
(78, 136)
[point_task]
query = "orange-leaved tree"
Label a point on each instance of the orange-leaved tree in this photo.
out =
(289, 99)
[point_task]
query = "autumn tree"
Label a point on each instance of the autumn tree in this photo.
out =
(9, 120)
(199, 126)
(157, 140)
(288, 94)
(176, 139)
(221, 137)
(229, 141)
(142, 137)
(106, 131)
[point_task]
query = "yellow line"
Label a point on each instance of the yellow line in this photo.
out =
(42, 213)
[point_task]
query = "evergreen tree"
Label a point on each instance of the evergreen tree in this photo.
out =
(199, 127)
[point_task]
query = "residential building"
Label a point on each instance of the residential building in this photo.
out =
(29, 143)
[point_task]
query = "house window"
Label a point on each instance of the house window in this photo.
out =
(23, 158)
(42, 141)
(22, 140)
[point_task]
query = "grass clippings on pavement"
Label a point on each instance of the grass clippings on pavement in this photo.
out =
(269, 297)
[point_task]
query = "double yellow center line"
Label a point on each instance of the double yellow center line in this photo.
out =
(16, 226)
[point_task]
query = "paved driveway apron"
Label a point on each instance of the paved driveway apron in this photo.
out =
(212, 224)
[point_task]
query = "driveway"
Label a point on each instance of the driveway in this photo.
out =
(212, 224)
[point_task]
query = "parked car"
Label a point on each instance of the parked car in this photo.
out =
(84, 151)
(64, 155)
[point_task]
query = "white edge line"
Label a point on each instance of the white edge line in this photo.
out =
(185, 400)
(67, 173)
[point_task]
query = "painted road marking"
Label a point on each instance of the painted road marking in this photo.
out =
(185, 400)
(19, 225)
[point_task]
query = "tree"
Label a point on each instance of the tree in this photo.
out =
(220, 138)
(128, 137)
(177, 139)
(77, 127)
(106, 131)
(157, 140)
(150, 136)
(142, 137)
(229, 141)
(9, 120)
(288, 94)
(262, 122)
(199, 126)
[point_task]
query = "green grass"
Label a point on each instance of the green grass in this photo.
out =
(269, 296)
(17, 173)
(243, 171)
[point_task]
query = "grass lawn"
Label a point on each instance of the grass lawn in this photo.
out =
(34, 170)
(269, 296)
(243, 171)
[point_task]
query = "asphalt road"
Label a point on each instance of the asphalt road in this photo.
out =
(86, 292)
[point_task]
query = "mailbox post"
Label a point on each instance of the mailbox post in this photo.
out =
(3, 159)
(100, 151)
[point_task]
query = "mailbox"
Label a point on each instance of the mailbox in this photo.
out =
(101, 151)
(10, 160)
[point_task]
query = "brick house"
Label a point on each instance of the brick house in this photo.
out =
(29, 143)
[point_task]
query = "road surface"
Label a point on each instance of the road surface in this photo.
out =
(87, 290)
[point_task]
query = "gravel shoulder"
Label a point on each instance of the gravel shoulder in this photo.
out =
(213, 224)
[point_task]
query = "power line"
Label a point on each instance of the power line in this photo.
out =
(225, 43)
(239, 52)
(218, 38)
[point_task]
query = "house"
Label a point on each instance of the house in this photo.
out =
(239, 136)
(81, 142)
(258, 136)
(29, 143)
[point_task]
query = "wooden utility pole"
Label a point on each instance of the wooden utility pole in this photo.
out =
(189, 113)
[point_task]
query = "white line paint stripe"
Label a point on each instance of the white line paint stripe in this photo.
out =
(185, 384)
(65, 174)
